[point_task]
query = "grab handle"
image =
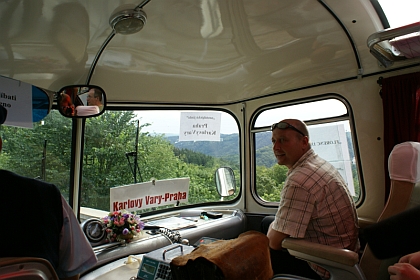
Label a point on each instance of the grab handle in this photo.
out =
(167, 250)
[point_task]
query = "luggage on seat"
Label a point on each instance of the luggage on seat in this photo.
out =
(245, 257)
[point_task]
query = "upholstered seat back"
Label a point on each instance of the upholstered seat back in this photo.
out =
(404, 172)
(404, 165)
(404, 162)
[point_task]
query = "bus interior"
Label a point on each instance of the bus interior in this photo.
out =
(188, 91)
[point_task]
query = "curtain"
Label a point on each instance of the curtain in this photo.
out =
(400, 98)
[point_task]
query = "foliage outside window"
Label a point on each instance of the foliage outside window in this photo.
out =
(42, 152)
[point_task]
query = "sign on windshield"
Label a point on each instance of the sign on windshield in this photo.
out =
(200, 126)
(150, 194)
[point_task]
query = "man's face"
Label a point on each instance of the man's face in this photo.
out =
(91, 99)
(288, 146)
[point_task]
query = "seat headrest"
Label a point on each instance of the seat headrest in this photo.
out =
(404, 162)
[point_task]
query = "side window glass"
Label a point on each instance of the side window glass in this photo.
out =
(42, 152)
(330, 136)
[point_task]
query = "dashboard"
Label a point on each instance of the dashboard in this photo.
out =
(164, 231)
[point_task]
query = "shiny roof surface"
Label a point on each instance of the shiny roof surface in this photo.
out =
(189, 51)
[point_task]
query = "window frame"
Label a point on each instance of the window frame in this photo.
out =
(238, 177)
(349, 116)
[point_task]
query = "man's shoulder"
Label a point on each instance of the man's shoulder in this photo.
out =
(315, 158)
(312, 170)
(317, 164)
(309, 160)
(308, 164)
(11, 178)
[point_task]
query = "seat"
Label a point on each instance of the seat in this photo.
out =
(404, 172)
(23, 268)
(341, 263)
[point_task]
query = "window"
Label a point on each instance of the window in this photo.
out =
(330, 134)
(126, 148)
(400, 13)
(43, 152)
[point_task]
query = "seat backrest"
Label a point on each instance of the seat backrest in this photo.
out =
(404, 172)
(26, 269)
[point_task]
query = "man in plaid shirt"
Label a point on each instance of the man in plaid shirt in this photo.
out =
(315, 203)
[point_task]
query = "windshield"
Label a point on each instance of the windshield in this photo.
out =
(137, 148)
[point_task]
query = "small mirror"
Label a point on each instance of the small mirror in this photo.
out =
(81, 101)
(225, 181)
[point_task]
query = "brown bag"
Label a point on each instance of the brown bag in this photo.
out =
(246, 257)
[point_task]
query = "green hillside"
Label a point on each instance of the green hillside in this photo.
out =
(229, 148)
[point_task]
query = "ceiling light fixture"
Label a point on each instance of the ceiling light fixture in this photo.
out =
(128, 21)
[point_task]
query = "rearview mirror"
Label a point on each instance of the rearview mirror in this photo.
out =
(225, 181)
(81, 101)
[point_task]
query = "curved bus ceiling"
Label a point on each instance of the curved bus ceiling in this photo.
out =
(189, 51)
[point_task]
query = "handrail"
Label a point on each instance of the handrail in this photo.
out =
(392, 33)
(386, 57)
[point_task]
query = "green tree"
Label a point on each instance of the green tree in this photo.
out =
(46, 147)
(265, 156)
(107, 138)
(270, 182)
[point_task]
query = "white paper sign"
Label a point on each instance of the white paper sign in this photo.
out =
(200, 126)
(16, 98)
(150, 194)
(330, 143)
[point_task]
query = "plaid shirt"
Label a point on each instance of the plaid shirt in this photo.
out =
(316, 205)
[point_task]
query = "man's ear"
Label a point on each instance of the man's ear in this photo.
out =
(305, 140)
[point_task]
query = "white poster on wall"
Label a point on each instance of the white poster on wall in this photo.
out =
(16, 98)
(330, 143)
(200, 126)
(150, 194)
